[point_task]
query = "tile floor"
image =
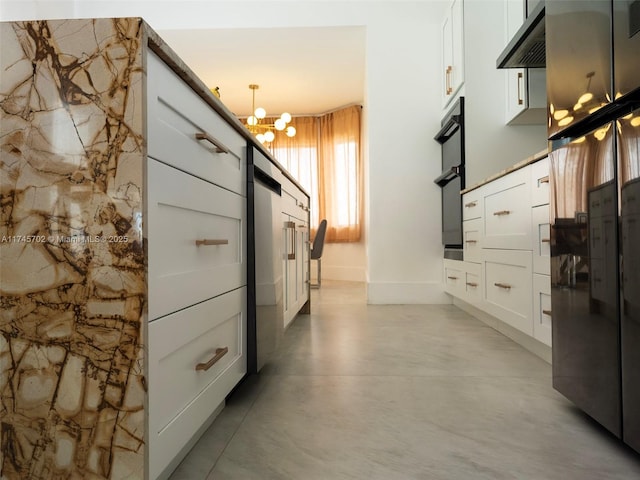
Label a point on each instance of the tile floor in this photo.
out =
(401, 392)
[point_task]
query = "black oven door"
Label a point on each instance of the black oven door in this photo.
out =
(451, 181)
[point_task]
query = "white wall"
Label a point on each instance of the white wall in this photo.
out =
(491, 145)
(402, 111)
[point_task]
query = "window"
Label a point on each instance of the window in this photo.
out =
(324, 157)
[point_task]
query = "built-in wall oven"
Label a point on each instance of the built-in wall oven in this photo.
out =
(451, 181)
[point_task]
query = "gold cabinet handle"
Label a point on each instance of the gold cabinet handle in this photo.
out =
(545, 240)
(544, 180)
(452, 278)
(520, 80)
(291, 226)
(470, 241)
(504, 286)
(502, 212)
(547, 312)
(470, 204)
(212, 241)
(472, 284)
(449, 88)
(220, 352)
(220, 148)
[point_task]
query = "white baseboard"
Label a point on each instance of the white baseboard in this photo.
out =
(337, 272)
(391, 293)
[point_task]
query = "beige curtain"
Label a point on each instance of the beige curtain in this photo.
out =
(325, 158)
(576, 169)
(340, 174)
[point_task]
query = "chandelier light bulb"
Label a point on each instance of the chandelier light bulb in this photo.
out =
(280, 124)
(635, 122)
(565, 121)
(260, 113)
(600, 134)
(291, 131)
(560, 114)
(585, 98)
(260, 137)
(286, 117)
(252, 120)
(269, 136)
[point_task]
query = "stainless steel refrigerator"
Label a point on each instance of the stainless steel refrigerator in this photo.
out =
(593, 94)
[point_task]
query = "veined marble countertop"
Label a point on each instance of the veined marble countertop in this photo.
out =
(527, 161)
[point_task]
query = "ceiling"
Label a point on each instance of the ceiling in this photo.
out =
(299, 70)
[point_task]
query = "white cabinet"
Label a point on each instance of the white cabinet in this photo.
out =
(507, 212)
(525, 88)
(542, 308)
(295, 249)
(508, 287)
(541, 230)
(463, 279)
(196, 229)
(196, 357)
(471, 238)
(452, 68)
(506, 250)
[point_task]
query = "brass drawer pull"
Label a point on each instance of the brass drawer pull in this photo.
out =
(520, 80)
(502, 212)
(212, 241)
(220, 352)
(547, 312)
(545, 240)
(470, 241)
(544, 180)
(291, 227)
(452, 278)
(472, 284)
(505, 286)
(220, 148)
(471, 204)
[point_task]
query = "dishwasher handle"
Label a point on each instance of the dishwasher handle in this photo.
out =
(267, 180)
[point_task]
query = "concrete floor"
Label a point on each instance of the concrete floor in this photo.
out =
(401, 392)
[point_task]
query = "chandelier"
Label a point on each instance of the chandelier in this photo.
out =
(264, 132)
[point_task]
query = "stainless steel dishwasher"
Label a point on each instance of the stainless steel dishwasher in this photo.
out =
(265, 325)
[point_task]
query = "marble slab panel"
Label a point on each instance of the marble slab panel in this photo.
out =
(72, 257)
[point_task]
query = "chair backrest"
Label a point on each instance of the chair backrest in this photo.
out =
(318, 241)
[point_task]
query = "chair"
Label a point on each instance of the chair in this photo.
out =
(316, 249)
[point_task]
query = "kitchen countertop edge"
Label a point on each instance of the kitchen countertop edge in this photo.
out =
(171, 58)
(527, 161)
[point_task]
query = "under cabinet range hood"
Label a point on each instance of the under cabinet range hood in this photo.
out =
(527, 48)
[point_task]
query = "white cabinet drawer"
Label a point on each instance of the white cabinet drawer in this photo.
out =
(541, 239)
(471, 204)
(542, 308)
(454, 277)
(182, 211)
(507, 212)
(540, 182)
(471, 240)
(473, 282)
(507, 287)
(182, 397)
(176, 114)
(294, 201)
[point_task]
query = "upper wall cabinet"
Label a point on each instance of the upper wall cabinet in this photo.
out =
(452, 51)
(526, 95)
